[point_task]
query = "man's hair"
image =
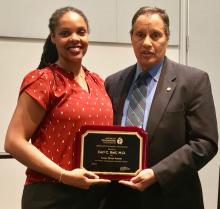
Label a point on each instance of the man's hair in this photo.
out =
(150, 11)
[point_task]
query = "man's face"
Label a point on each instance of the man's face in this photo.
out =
(149, 40)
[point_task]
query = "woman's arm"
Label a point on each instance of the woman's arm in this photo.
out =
(25, 120)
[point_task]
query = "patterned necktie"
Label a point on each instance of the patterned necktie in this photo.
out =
(136, 108)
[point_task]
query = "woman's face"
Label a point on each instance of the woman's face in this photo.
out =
(71, 38)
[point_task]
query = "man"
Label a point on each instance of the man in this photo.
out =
(179, 117)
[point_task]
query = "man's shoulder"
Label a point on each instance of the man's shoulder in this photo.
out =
(182, 68)
(121, 73)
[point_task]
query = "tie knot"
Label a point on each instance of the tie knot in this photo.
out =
(142, 78)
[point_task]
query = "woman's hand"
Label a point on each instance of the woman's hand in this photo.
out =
(81, 178)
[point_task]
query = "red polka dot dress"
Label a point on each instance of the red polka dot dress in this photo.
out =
(67, 107)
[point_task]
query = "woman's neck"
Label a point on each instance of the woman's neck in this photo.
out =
(75, 68)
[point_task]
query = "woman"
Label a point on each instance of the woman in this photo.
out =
(54, 102)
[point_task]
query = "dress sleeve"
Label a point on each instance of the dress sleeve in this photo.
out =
(37, 84)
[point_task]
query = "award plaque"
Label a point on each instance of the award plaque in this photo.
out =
(112, 152)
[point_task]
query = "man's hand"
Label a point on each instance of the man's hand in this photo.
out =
(142, 181)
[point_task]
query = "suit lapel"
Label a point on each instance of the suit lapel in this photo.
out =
(164, 91)
(125, 81)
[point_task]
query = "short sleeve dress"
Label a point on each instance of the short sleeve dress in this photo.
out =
(67, 107)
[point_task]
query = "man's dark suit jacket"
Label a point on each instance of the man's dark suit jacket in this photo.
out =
(183, 137)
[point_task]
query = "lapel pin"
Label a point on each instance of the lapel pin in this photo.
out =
(168, 88)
